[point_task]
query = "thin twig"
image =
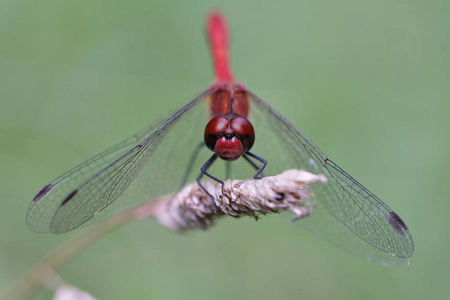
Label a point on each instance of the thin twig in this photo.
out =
(189, 208)
(44, 270)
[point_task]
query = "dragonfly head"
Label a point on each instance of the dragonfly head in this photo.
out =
(229, 136)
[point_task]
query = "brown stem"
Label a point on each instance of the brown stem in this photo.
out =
(44, 271)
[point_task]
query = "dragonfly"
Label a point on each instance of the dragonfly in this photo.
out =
(223, 124)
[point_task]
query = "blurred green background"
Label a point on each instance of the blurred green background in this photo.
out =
(367, 81)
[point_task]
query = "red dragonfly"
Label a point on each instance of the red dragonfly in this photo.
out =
(162, 158)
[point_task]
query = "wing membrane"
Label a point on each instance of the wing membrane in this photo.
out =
(347, 214)
(88, 189)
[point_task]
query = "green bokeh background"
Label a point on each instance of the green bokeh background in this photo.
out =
(367, 81)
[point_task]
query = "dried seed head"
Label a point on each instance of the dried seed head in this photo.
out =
(192, 207)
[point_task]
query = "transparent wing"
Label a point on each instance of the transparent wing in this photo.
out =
(123, 171)
(347, 214)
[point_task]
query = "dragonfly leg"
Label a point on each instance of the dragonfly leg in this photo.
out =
(204, 171)
(258, 170)
(253, 165)
(191, 163)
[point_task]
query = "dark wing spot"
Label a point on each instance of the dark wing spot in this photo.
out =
(42, 192)
(397, 223)
(70, 196)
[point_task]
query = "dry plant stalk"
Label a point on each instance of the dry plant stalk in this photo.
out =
(192, 207)
(189, 208)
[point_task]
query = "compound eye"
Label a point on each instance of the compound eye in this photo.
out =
(242, 126)
(213, 129)
(244, 130)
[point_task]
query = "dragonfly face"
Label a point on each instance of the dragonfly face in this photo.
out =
(229, 136)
